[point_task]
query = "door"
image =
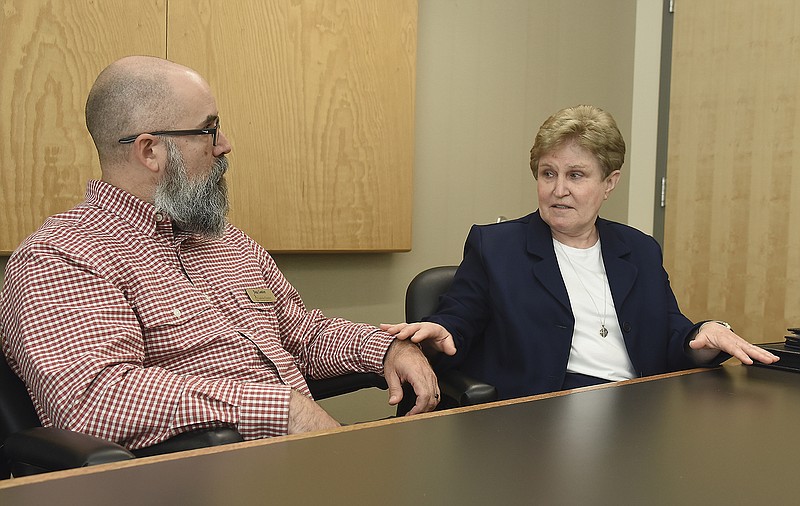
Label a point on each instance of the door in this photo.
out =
(732, 224)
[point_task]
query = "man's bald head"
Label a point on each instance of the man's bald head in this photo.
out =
(132, 95)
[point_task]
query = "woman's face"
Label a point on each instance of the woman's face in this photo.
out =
(571, 189)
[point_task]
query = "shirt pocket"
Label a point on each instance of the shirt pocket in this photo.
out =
(177, 323)
(154, 313)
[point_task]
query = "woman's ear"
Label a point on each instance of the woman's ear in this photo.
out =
(611, 182)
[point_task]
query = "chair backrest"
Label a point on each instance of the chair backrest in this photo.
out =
(16, 410)
(422, 299)
(422, 295)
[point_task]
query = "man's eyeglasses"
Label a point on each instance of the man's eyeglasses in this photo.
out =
(212, 131)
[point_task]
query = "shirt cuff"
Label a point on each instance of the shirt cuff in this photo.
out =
(263, 410)
(374, 349)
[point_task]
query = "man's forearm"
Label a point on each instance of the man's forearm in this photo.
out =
(305, 415)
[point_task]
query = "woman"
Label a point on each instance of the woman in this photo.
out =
(562, 298)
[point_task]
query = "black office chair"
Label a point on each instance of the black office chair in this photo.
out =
(422, 299)
(27, 448)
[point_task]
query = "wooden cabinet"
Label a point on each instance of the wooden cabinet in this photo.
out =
(50, 53)
(317, 98)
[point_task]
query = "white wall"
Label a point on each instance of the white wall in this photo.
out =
(644, 119)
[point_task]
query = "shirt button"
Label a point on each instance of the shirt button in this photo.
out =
(176, 312)
(159, 217)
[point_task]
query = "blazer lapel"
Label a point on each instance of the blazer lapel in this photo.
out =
(621, 272)
(545, 266)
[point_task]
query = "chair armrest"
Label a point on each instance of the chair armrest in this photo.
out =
(39, 449)
(457, 389)
(338, 385)
(192, 440)
(464, 390)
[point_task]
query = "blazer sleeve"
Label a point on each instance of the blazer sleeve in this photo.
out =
(465, 309)
(681, 329)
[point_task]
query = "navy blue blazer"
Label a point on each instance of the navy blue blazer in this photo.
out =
(511, 319)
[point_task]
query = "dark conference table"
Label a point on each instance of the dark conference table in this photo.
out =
(729, 435)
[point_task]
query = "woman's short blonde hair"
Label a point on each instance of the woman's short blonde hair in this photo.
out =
(590, 127)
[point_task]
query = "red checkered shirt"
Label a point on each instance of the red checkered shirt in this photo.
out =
(125, 328)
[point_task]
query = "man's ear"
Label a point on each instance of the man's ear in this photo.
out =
(149, 151)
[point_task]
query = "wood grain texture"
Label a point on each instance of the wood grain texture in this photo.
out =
(51, 52)
(318, 98)
(733, 196)
(318, 101)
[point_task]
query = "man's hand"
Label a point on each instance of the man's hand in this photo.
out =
(713, 336)
(432, 336)
(305, 415)
(405, 363)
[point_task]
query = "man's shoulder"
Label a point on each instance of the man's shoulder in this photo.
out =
(237, 237)
(59, 227)
(84, 232)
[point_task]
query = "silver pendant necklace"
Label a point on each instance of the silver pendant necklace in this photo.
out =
(603, 329)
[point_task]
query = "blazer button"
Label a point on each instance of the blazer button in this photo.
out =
(626, 327)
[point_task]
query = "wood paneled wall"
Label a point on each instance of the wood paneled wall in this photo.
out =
(732, 230)
(50, 53)
(317, 98)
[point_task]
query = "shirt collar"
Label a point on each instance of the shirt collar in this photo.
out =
(140, 214)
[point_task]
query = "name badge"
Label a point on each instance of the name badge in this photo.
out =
(260, 294)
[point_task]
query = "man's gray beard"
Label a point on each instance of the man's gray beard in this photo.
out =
(194, 206)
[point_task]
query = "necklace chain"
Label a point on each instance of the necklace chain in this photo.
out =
(603, 330)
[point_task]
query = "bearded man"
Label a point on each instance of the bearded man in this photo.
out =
(142, 313)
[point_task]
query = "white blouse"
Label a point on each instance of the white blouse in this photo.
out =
(592, 353)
